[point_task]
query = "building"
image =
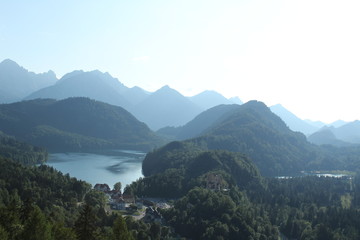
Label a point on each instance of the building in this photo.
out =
(102, 187)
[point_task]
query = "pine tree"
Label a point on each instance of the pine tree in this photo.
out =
(3, 234)
(60, 232)
(85, 225)
(120, 231)
(36, 226)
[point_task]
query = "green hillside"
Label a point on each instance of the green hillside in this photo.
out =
(200, 123)
(173, 170)
(255, 131)
(252, 129)
(75, 124)
(20, 151)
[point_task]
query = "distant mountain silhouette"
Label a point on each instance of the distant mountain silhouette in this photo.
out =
(316, 124)
(209, 99)
(326, 136)
(165, 107)
(95, 85)
(75, 124)
(349, 132)
(236, 100)
(338, 123)
(158, 109)
(135, 95)
(294, 123)
(17, 82)
(344, 135)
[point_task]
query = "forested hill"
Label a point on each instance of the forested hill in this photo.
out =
(20, 151)
(254, 130)
(36, 202)
(75, 124)
(179, 166)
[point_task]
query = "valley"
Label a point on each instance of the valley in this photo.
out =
(216, 161)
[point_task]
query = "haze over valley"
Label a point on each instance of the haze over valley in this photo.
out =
(179, 120)
(163, 144)
(149, 107)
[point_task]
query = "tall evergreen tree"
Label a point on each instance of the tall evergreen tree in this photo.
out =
(120, 231)
(36, 226)
(3, 234)
(60, 232)
(85, 225)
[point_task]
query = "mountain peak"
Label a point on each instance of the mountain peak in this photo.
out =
(94, 84)
(209, 92)
(9, 62)
(71, 74)
(166, 107)
(277, 106)
(256, 103)
(167, 90)
(209, 98)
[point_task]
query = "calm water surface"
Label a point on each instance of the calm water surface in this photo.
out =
(106, 167)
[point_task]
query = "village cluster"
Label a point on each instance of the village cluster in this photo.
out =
(147, 207)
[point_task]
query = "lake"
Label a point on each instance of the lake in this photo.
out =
(333, 174)
(101, 167)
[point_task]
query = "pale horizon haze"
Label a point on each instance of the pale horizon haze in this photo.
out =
(304, 54)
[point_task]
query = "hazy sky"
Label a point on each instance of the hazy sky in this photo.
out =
(303, 54)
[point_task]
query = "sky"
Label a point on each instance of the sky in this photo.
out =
(302, 54)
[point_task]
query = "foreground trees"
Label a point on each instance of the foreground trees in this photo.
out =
(85, 225)
(120, 230)
(205, 214)
(220, 195)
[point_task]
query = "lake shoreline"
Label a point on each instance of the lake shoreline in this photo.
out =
(111, 166)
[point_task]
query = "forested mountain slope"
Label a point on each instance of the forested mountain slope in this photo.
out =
(252, 129)
(200, 123)
(180, 166)
(20, 151)
(75, 124)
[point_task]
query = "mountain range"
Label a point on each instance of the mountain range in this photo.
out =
(16, 82)
(165, 107)
(209, 99)
(82, 124)
(95, 85)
